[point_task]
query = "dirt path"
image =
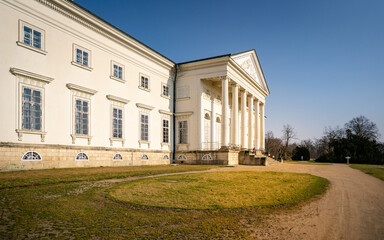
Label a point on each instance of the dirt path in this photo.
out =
(353, 207)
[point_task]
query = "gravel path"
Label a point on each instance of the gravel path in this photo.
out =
(353, 207)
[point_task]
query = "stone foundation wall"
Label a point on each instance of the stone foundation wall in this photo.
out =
(59, 156)
(201, 157)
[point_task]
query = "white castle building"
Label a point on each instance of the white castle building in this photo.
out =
(78, 92)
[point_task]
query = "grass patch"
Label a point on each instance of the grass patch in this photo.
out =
(54, 176)
(221, 190)
(374, 170)
(311, 162)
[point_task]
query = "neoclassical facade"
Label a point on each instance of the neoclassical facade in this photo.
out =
(78, 92)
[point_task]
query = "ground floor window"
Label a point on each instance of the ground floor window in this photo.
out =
(183, 132)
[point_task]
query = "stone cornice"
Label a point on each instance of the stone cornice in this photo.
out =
(165, 112)
(183, 114)
(75, 87)
(20, 72)
(117, 99)
(140, 105)
(89, 20)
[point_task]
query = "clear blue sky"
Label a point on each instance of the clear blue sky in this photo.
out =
(323, 60)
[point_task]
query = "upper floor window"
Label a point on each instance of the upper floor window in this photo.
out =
(31, 113)
(117, 71)
(81, 57)
(31, 37)
(144, 82)
(165, 90)
(117, 123)
(82, 117)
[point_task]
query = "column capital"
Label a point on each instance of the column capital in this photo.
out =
(242, 90)
(234, 84)
(225, 77)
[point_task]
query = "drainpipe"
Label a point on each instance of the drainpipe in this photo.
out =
(174, 116)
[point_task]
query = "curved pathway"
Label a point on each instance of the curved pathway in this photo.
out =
(353, 207)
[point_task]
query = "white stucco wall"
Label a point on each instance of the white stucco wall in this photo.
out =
(61, 33)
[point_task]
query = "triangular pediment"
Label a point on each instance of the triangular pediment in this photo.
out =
(249, 62)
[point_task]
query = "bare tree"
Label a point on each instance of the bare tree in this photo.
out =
(273, 145)
(363, 127)
(288, 135)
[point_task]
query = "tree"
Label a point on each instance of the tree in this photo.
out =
(363, 127)
(288, 135)
(273, 145)
(301, 151)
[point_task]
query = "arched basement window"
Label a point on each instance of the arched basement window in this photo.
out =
(144, 157)
(165, 157)
(31, 156)
(207, 157)
(81, 157)
(181, 157)
(117, 157)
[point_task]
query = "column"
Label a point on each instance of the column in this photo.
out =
(262, 128)
(224, 113)
(257, 125)
(235, 114)
(213, 124)
(243, 122)
(250, 122)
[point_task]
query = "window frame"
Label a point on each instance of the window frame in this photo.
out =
(162, 130)
(31, 160)
(74, 57)
(140, 127)
(87, 159)
(21, 42)
(162, 91)
(117, 154)
(113, 106)
(76, 98)
(179, 139)
(112, 76)
(142, 75)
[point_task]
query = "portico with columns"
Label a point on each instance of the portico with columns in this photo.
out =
(227, 98)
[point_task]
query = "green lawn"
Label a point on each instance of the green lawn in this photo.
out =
(72, 204)
(219, 190)
(311, 162)
(374, 170)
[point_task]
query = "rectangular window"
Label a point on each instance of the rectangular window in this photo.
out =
(165, 90)
(183, 132)
(144, 82)
(165, 131)
(117, 71)
(32, 37)
(144, 127)
(81, 117)
(117, 123)
(31, 109)
(82, 57)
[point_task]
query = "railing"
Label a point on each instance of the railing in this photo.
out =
(216, 146)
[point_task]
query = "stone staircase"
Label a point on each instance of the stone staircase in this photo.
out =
(248, 158)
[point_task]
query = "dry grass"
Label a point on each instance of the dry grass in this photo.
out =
(53, 176)
(219, 190)
(58, 207)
